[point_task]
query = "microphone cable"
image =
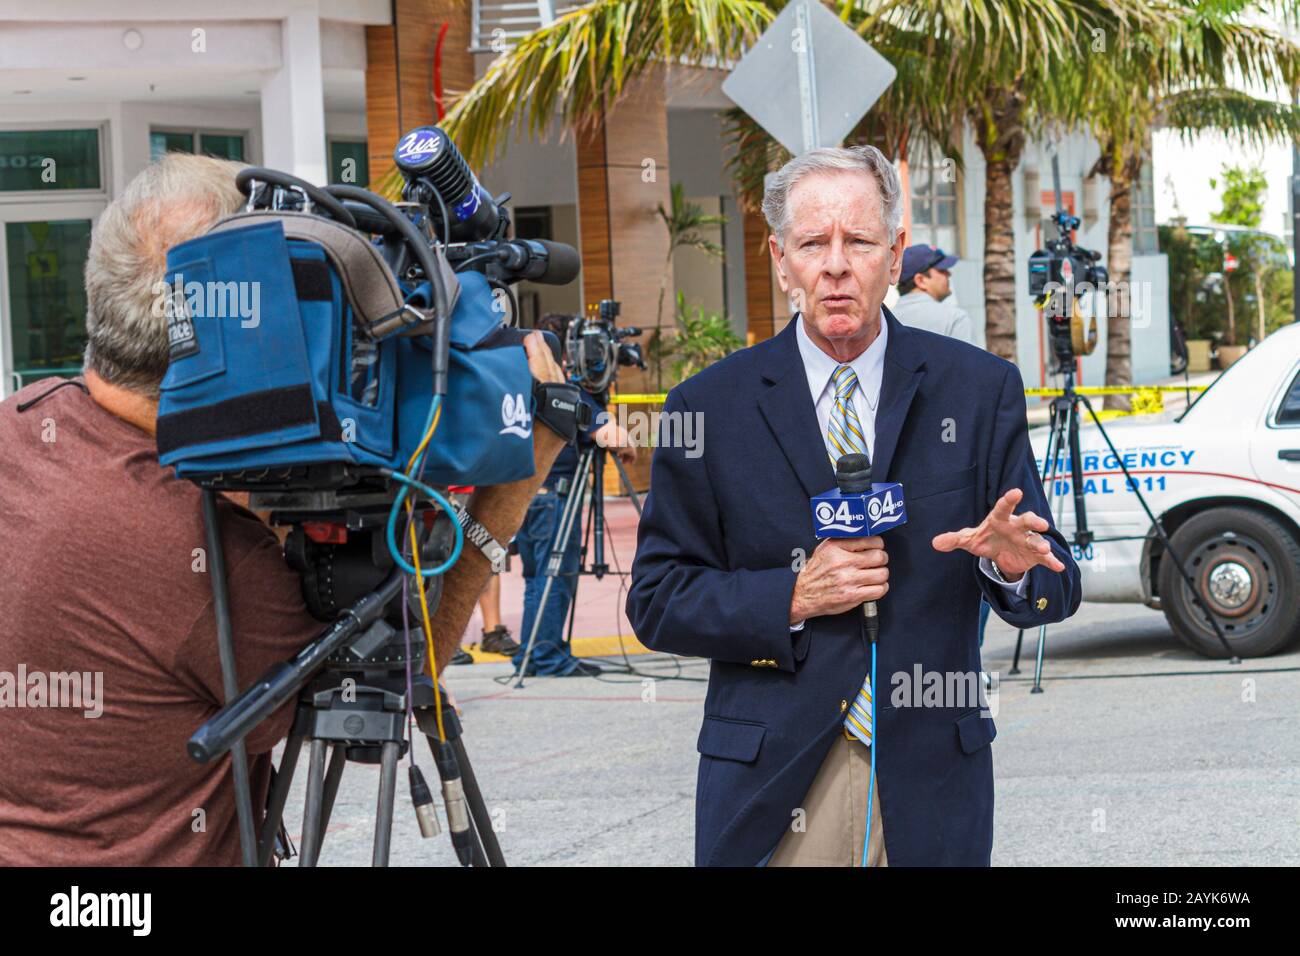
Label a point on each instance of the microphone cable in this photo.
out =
(875, 738)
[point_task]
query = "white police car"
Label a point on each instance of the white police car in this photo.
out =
(1223, 478)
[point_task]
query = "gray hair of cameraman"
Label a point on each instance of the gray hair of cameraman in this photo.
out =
(170, 201)
(828, 159)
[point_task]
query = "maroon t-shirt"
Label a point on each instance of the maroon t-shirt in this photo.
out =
(103, 574)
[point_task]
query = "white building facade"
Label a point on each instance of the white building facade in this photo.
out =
(91, 91)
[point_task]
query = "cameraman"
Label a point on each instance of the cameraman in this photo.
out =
(540, 531)
(108, 653)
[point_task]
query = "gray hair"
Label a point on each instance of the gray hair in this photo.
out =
(866, 159)
(170, 201)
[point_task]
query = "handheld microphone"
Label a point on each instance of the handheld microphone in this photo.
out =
(858, 508)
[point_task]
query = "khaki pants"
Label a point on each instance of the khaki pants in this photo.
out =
(835, 814)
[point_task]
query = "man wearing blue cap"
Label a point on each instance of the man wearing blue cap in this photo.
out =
(923, 287)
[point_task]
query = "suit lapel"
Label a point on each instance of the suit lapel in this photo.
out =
(787, 405)
(904, 369)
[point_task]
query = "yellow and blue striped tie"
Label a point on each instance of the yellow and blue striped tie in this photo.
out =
(844, 437)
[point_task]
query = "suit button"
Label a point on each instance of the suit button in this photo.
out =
(844, 705)
(1042, 604)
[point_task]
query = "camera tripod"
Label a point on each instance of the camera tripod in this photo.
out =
(357, 710)
(353, 697)
(1064, 437)
(590, 462)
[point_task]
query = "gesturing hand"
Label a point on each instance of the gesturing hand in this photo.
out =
(1013, 542)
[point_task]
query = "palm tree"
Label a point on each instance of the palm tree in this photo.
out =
(983, 61)
(1176, 76)
(989, 63)
(1005, 58)
(576, 68)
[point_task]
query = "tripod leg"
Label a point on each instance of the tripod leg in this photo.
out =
(384, 812)
(338, 760)
(1038, 661)
(279, 796)
(556, 557)
(532, 636)
(312, 830)
(627, 484)
(477, 808)
(229, 675)
(1064, 425)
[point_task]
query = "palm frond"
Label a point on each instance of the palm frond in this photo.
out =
(1242, 118)
(573, 69)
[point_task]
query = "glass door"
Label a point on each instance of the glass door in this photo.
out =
(43, 252)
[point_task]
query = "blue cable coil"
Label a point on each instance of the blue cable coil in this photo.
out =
(407, 484)
(875, 737)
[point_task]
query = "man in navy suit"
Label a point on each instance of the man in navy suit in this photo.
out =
(728, 568)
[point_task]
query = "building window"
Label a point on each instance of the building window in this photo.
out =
(932, 182)
(1145, 235)
(349, 162)
(40, 160)
(222, 145)
(533, 222)
(46, 296)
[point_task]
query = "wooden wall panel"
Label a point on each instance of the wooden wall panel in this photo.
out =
(593, 216)
(399, 72)
(623, 178)
(381, 100)
(759, 280)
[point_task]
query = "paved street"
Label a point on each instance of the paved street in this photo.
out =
(1139, 752)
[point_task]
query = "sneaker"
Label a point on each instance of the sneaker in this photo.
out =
(497, 641)
(462, 656)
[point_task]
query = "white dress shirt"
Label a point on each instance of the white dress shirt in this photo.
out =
(870, 370)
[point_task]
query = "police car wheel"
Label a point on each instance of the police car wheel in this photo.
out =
(1246, 568)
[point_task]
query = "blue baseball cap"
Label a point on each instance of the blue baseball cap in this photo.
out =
(921, 258)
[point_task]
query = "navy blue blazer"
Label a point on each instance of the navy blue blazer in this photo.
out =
(714, 573)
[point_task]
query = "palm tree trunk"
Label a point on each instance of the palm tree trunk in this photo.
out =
(1001, 138)
(1119, 262)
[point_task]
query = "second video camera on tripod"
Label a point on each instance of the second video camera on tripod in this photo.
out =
(1061, 274)
(596, 347)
